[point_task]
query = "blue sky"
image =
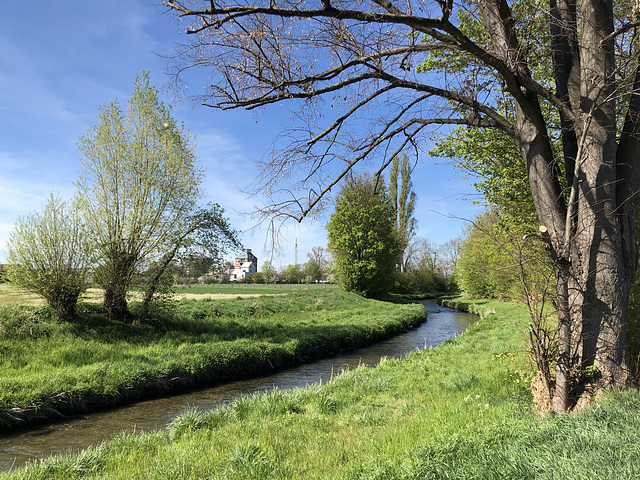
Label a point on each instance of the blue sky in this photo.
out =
(61, 61)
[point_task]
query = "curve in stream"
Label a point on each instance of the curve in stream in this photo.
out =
(78, 432)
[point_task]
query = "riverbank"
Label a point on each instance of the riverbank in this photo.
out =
(462, 410)
(49, 368)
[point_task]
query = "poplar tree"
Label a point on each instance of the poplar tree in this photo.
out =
(403, 201)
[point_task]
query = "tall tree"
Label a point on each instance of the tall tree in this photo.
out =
(138, 186)
(362, 238)
(403, 200)
(484, 64)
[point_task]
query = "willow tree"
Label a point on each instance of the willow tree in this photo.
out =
(49, 254)
(139, 186)
(393, 70)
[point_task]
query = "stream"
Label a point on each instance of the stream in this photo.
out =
(77, 432)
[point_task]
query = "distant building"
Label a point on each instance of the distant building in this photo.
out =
(246, 264)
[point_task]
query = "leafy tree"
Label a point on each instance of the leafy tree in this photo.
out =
(403, 200)
(49, 254)
(533, 72)
(291, 274)
(311, 272)
(269, 273)
(421, 272)
(485, 268)
(317, 254)
(206, 235)
(363, 238)
(138, 188)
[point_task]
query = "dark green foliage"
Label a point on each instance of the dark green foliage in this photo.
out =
(422, 280)
(363, 239)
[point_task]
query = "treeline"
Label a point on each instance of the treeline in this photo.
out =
(317, 269)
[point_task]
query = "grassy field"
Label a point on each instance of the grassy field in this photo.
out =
(248, 288)
(10, 295)
(460, 411)
(48, 367)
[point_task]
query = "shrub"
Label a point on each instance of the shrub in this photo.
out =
(49, 255)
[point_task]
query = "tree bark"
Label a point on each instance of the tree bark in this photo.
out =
(116, 280)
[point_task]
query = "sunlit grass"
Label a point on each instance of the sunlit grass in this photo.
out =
(453, 412)
(458, 412)
(244, 288)
(93, 361)
(10, 295)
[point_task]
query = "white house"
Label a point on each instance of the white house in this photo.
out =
(246, 264)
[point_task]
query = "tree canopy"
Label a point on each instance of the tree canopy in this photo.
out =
(363, 238)
(49, 254)
(139, 190)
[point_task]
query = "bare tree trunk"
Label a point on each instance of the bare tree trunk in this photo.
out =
(560, 397)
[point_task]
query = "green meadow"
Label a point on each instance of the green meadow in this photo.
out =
(248, 288)
(49, 367)
(460, 411)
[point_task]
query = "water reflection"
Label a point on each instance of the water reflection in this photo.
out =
(75, 433)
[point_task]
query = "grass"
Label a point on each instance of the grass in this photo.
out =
(460, 411)
(49, 367)
(10, 295)
(248, 288)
